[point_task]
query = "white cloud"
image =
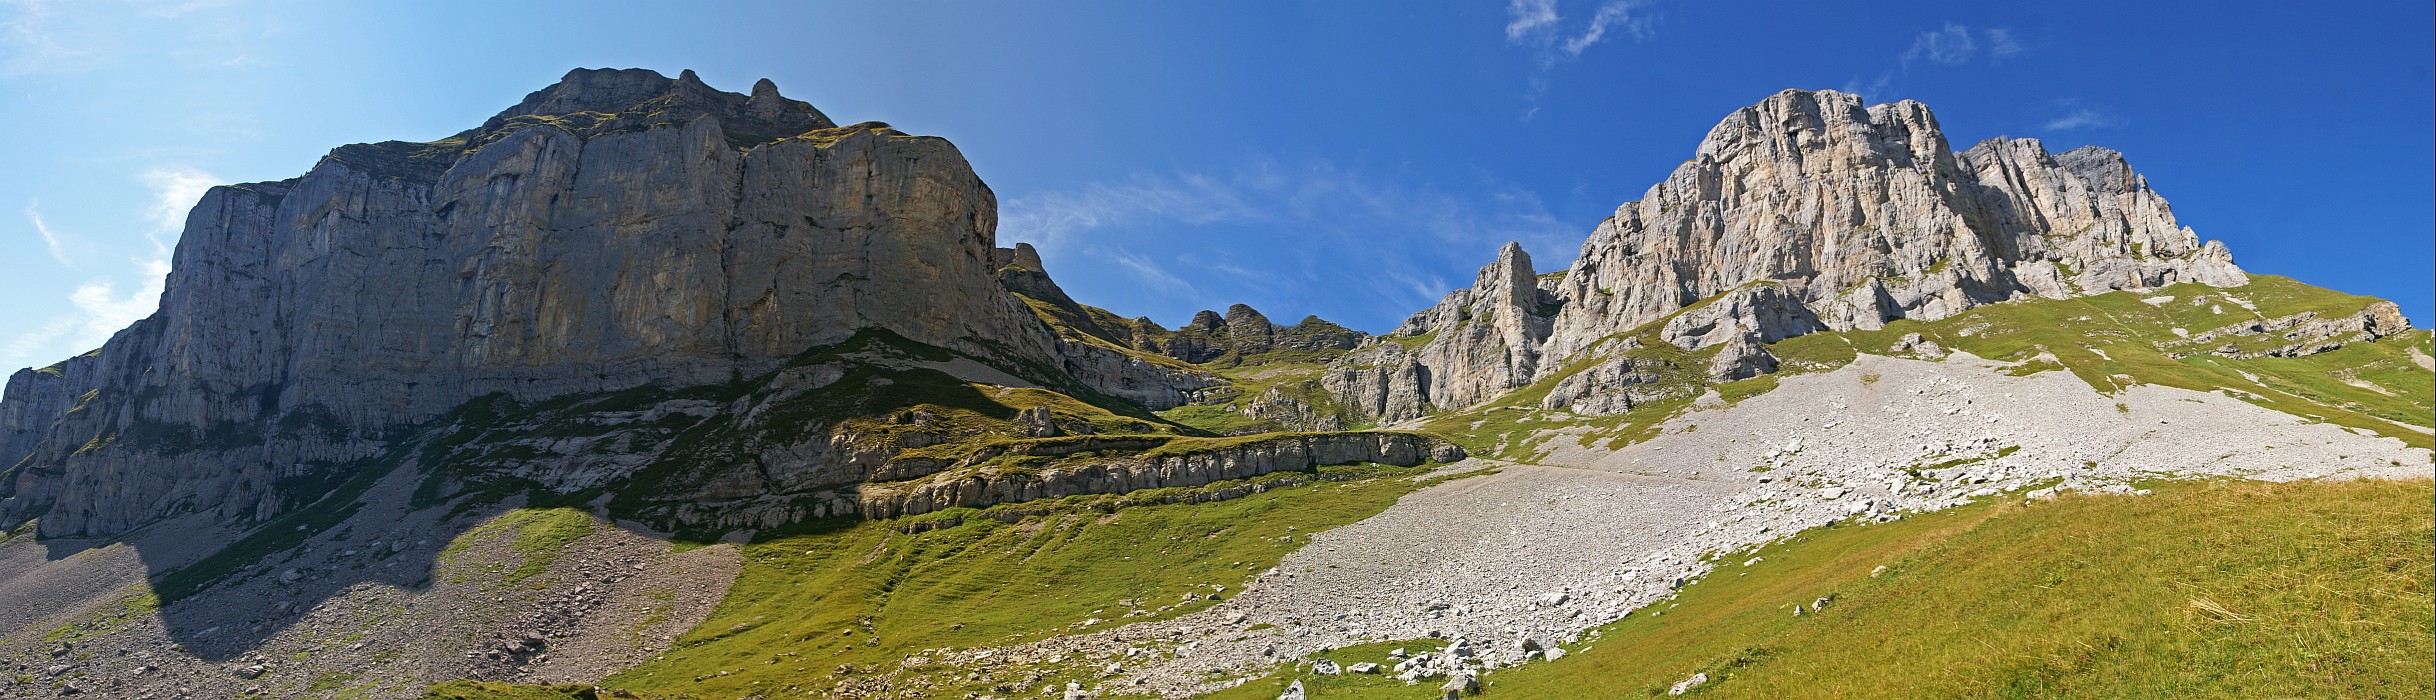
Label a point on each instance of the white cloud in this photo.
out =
(97, 308)
(30, 40)
(2001, 43)
(50, 238)
(62, 36)
(1872, 88)
(103, 311)
(1150, 272)
(1529, 17)
(1614, 14)
(1951, 45)
(1276, 229)
(175, 190)
(1051, 219)
(1536, 25)
(1414, 284)
(2083, 118)
(26, 349)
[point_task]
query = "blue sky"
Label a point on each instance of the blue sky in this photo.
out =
(1348, 159)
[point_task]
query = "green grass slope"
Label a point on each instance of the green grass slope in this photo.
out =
(2112, 341)
(2213, 589)
(841, 605)
(2119, 339)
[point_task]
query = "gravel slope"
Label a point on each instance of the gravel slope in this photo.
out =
(1544, 552)
(371, 609)
(1537, 552)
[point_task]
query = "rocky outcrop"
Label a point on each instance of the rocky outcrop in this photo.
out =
(1476, 343)
(1761, 311)
(1092, 344)
(986, 486)
(2295, 335)
(1383, 380)
(36, 399)
(1020, 270)
(1865, 215)
(1741, 357)
(1609, 387)
(1243, 333)
(616, 229)
(1132, 377)
(1076, 466)
(1809, 211)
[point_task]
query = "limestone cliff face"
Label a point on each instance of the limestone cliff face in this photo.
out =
(1282, 453)
(1090, 342)
(1809, 211)
(1475, 344)
(616, 229)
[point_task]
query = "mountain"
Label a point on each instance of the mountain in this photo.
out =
(1805, 212)
(614, 230)
(642, 388)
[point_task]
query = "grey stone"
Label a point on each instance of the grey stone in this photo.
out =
(1687, 684)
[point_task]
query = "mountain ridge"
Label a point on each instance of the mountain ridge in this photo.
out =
(669, 399)
(1854, 216)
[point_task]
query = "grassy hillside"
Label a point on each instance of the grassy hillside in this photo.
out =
(2223, 589)
(2119, 339)
(843, 604)
(2111, 341)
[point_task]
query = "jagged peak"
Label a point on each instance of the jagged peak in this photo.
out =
(1314, 322)
(1023, 255)
(1513, 250)
(1206, 320)
(2001, 142)
(2103, 168)
(1511, 273)
(762, 115)
(1792, 121)
(1244, 314)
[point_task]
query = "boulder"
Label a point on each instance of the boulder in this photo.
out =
(1686, 685)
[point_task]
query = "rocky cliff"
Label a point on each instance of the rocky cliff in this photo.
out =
(1808, 211)
(617, 229)
(1475, 344)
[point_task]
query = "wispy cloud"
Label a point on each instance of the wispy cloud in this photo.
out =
(2083, 118)
(1614, 14)
(1951, 46)
(1538, 26)
(175, 189)
(97, 308)
(64, 36)
(2001, 43)
(1527, 18)
(50, 238)
(29, 38)
(27, 349)
(1149, 271)
(1283, 231)
(1191, 198)
(1872, 88)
